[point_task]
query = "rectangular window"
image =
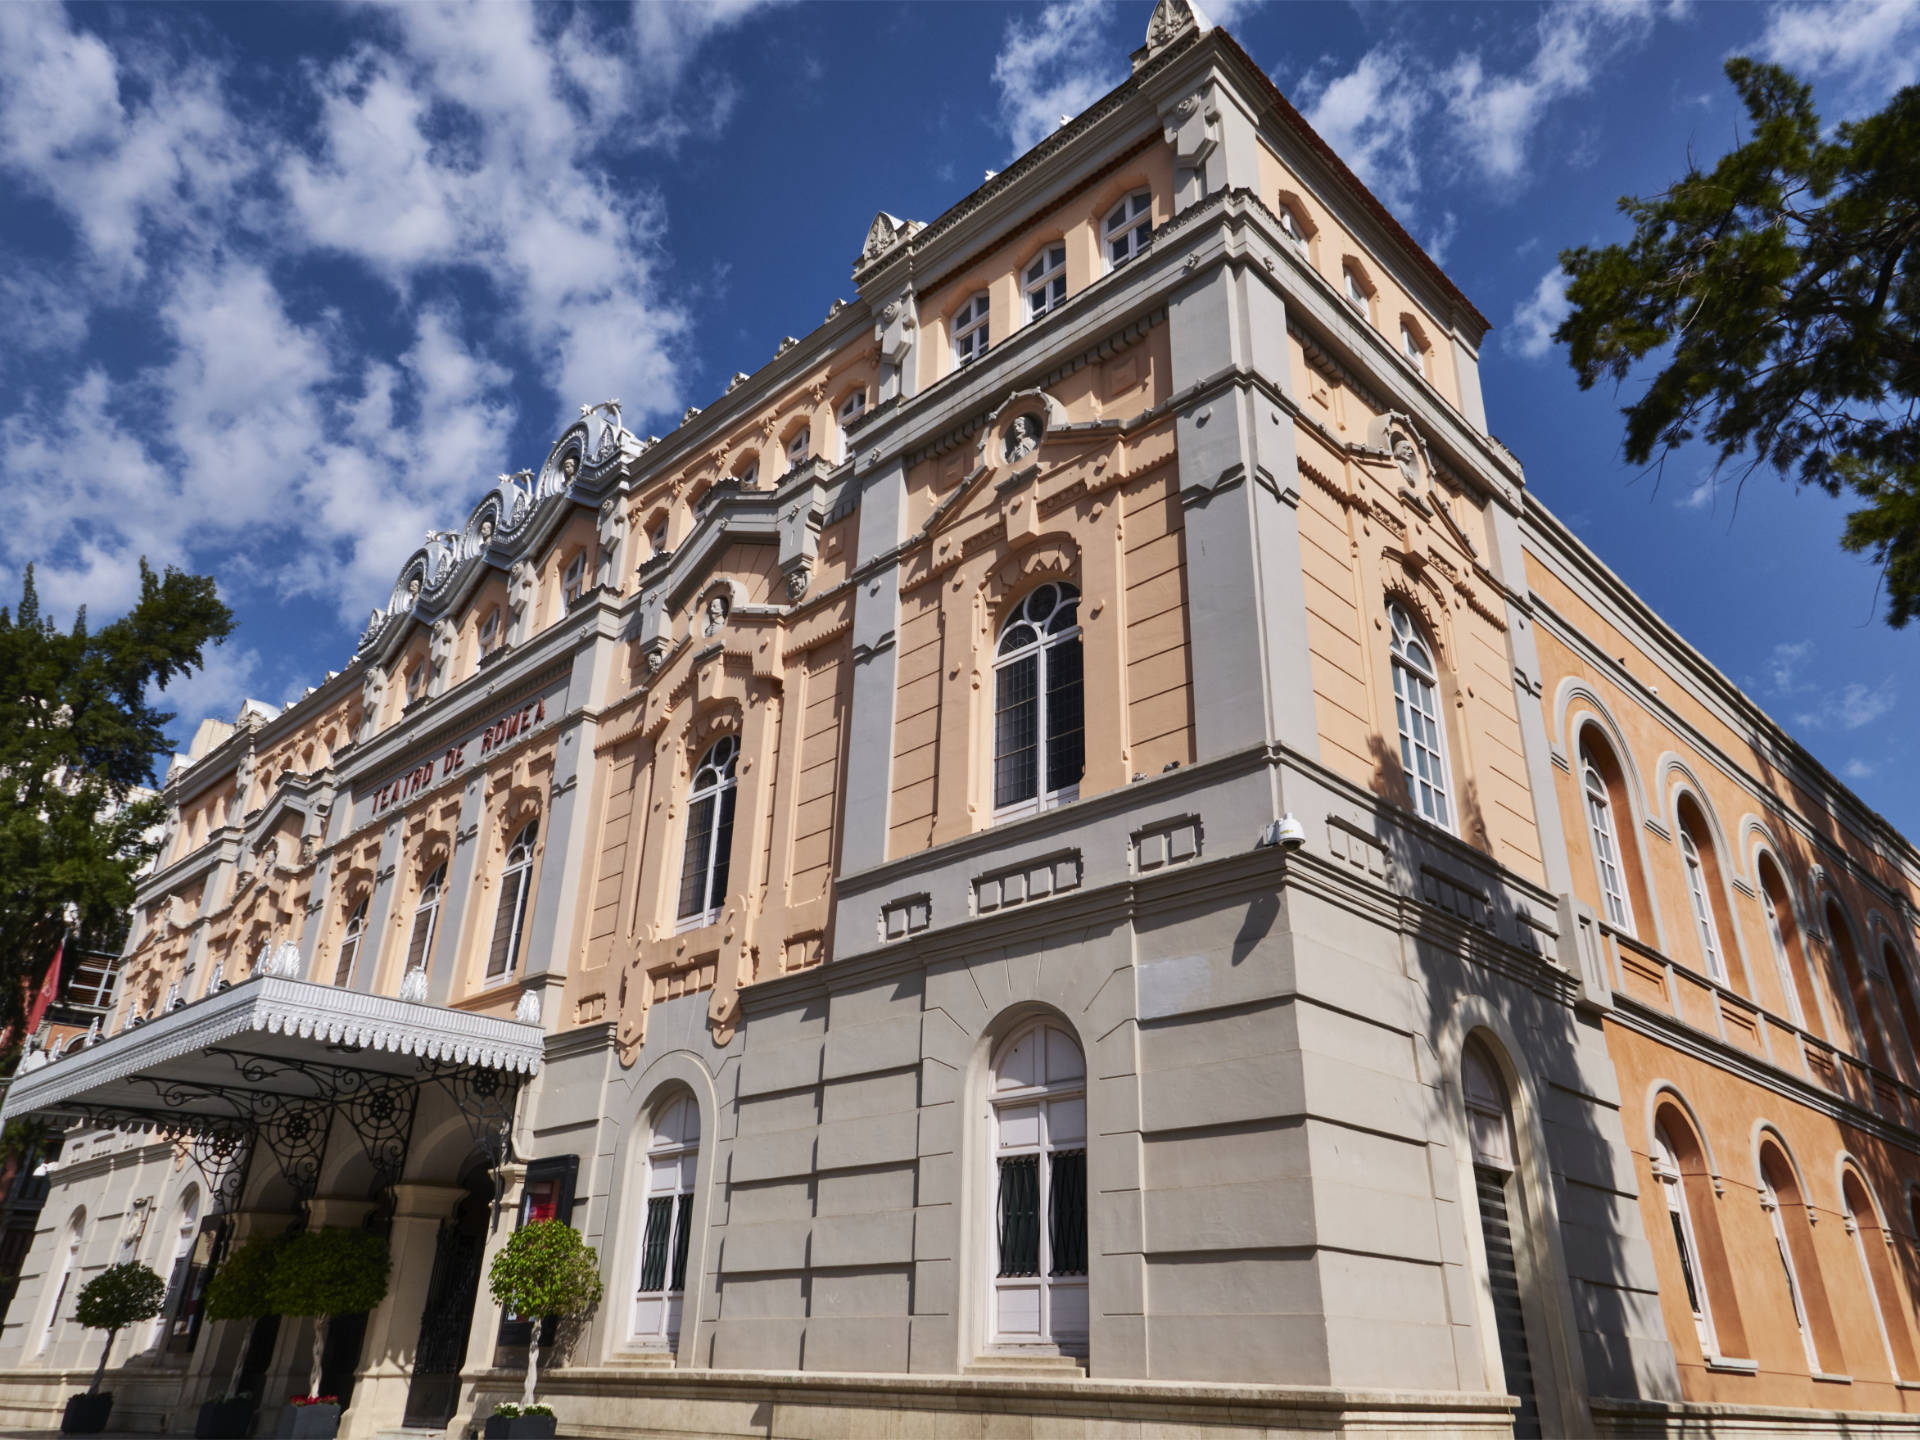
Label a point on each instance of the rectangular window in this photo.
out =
(706, 861)
(508, 921)
(970, 330)
(1019, 1215)
(1046, 281)
(1067, 1212)
(574, 582)
(343, 969)
(490, 634)
(798, 449)
(653, 1247)
(1016, 732)
(421, 941)
(1066, 735)
(677, 1279)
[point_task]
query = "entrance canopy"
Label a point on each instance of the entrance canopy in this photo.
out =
(267, 1045)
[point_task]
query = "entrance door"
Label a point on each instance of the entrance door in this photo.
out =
(447, 1316)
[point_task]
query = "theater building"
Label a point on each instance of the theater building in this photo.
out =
(1075, 852)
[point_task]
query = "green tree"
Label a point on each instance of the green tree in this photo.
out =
(77, 732)
(323, 1273)
(544, 1270)
(1780, 291)
(242, 1289)
(119, 1296)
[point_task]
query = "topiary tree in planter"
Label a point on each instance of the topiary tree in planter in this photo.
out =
(119, 1296)
(544, 1270)
(239, 1290)
(322, 1273)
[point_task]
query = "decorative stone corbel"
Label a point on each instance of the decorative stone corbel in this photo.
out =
(799, 526)
(895, 331)
(656, 633)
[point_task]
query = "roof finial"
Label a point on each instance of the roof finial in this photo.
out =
(1172, 19)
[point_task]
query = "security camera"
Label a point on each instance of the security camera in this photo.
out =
(1287, 833)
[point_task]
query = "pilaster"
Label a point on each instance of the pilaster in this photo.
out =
(876, 621)
(393, 1329)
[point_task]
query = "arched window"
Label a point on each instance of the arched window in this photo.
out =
(573, 583)
(69, 1262)
(1038, 1093)
(1897, 978)
(1045, 281)
(851, 409)
(1700, 899)
(969, 330)
(800, 447)
(1292, 226)
(1503, 1225)
(1841, 934)
(490, 633)
(709, 849)
(1871, 1248)
(1129, 228)
(350, 945)
(1413, 347)
(1358, 294)
(1039, 740)
(510, 914)
(426, 919)
(1793, 1240)
(1802, 1009)
(1606, 846)
(673, 1154)
(1416, 706)
(1666, 1172)
(186, 1275)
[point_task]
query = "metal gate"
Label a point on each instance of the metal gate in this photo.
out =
(445, 1322)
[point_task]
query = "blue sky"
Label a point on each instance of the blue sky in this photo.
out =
(283, 286)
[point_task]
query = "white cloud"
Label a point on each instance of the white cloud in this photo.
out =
(1855, 707)
(1370, 116)
(274, 445)
(1495, 116)
(1783, 666)
(1857, 770)
(1873, 46)
(1539, 315)
(1054, 65)
(228, 676)
(1698, 496)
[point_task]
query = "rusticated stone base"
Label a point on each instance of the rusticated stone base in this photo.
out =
(624, 1404)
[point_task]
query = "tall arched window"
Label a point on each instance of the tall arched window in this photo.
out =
(69, 1262)
(426, 919)
(1841, 934)
(1897, 978)
(186, 1276)
(673, 1155)
(350, 944)
(1614, 900)
(1666, 1171)
(1039, 739)
(1793, 1239)
(510, 914)
(709, 849)
(1777, 942)
(1416, 708)
(1038, 1094)
(1503, 1226)
(1870, 1246)
(1700, 899)
(1789, 947)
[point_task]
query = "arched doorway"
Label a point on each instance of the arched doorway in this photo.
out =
(447, 1317)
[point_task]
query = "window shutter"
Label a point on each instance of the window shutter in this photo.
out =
(1020, 1215)
(653, 1251)
(343, 972)
(1067, 1212)
(505, 922)
(1503, 1280)
(1066, 736)
(422, 936)
(681, 1229)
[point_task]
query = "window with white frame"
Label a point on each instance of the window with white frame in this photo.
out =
(186, 1234)
(69, 1263)
(1290, 227)
(510, 911)
(1039, 737)
(490, 633)
(657, 535)
(1129, 228)
(1416, 705)
(1415, 351)
(350, 945)
(1606, 847)
(416, 683)
(748, 475)
(1699, 898)
(1045, 281)
(1503, 1222)
(851, 409)
(573, 583)
(673, 1157)
(1038, 1095)
(1782, 961)
(426, 919)
(1770, 1201)
(1356, 291)
(708, 851)
(969, 329)
(1853, 1203)
(800, 447)
(1673, 1188)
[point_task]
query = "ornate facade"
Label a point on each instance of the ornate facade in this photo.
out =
(1075, 846)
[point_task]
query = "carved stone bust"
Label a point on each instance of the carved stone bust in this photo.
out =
(1408, 459)
(1023, 437)
(567, 468)
(716, 613)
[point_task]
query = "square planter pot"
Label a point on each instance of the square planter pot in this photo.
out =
(224, 1420)
(86, 1414)
(521, 1427)
(309, 1422)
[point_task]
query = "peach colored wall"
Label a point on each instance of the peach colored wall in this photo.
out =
(1330, 244)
